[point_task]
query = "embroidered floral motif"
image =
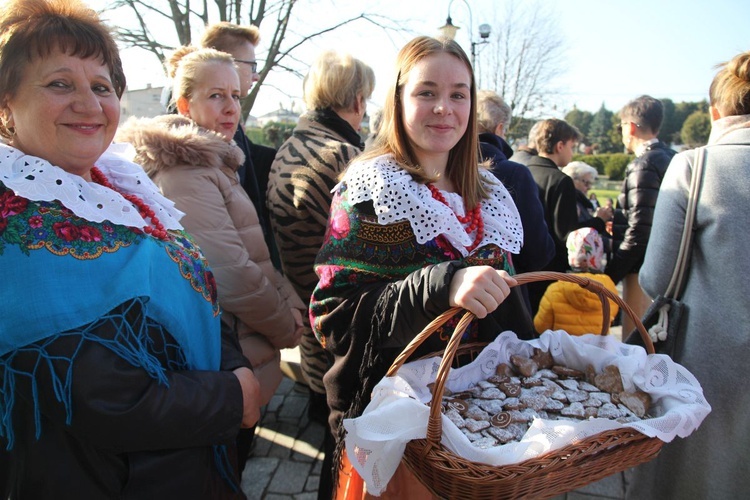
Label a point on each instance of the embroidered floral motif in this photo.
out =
(36, 225)
(193, 266)
(49, 225)
(492, 255)
(339, 222)
(371, 252)
(327, 274)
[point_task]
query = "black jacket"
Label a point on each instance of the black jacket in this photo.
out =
(368, 325)
(157, 441)
(637, 200)
(558, 195)
(538, 246)
(523, 156)
(254, 179)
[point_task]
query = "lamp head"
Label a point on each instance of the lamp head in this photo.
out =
(449, 30)
(484, 31)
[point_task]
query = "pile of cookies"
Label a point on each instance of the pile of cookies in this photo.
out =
(500, 409)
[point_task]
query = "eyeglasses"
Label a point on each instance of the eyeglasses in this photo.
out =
(622, 124)
(253, 64)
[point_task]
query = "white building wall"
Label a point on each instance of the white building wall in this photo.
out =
(141, 102)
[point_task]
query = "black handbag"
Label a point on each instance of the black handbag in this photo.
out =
(666, 313)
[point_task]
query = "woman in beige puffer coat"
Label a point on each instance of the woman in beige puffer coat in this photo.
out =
(197, 169)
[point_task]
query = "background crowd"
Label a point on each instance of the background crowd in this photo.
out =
(158, 269)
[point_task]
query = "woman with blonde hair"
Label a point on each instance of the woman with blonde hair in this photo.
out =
(306, 168)
(416, 227)
(714, 337)
(193, 159)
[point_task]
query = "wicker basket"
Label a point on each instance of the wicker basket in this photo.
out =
(558, 471)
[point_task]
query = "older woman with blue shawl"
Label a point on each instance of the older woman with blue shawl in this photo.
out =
(115, 378)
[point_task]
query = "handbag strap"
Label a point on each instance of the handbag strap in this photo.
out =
(677, 282)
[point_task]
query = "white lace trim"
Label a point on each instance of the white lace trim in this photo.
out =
(396, 196)
(38, 180)
(398, 413)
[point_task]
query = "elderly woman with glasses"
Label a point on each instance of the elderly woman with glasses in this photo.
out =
(584, 176)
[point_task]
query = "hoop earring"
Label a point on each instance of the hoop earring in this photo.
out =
(11, 130)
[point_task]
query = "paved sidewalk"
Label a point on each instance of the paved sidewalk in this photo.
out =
(288, 451)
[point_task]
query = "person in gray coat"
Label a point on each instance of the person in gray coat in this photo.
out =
(714, 338)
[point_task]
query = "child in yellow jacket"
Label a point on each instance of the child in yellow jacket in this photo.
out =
(566, 306)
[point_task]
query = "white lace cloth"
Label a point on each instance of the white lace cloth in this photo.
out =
(375, 442)
(38, 180)
(397, 197)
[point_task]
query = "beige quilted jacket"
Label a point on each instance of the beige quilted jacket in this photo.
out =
(196, 168)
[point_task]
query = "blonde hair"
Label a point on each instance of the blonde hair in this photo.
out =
(226, 37)
(334, 81)
(184, 64)
(730, 88)
(491, 112)
(463, 160)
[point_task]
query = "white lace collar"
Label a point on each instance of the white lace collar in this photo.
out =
(396, 196)
(38, 180)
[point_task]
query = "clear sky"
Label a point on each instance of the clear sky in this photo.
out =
(614, 49)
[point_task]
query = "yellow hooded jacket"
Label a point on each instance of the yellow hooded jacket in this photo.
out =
(567, 306)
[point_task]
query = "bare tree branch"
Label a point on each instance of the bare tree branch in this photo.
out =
(281, 47)
(135, 5)
(527, 60)
(221, 5)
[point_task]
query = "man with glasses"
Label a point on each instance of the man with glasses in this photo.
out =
(640, 120)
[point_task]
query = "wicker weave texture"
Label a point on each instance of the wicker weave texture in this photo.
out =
(450, 476)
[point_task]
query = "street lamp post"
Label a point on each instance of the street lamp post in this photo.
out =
(449, 30)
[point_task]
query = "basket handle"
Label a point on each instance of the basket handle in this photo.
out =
(594, 287)
(428, 330)
(435, 424)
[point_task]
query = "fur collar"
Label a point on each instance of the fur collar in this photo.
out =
(169, 141)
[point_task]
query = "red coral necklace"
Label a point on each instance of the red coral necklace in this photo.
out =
(158, 230)
(473, 217)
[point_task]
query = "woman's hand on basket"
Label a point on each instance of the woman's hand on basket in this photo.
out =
(480, 289)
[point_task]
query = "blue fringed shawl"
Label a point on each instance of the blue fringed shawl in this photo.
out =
(68, 269)
(63, 275)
